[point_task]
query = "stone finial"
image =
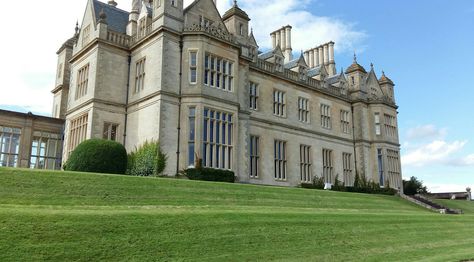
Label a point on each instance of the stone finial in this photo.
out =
(112, 3)
(102, 16)
(371, 66)
(76, 29)
(468, 189)
(235, 3)
(355, 58)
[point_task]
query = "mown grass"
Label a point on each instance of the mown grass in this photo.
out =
(466, 206)
(78, 216)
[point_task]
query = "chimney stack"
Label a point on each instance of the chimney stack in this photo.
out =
(282, 37)
(322, 55)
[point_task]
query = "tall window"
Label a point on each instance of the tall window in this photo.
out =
(347, 169)
(253, 95)
(46, 150)
(377, 124)
(77, 132)
(325, 116)
(380, 166)
(86, 34)
(327, 166)
(218, 72)
(393, 167)
(192, 136)
(217, 139)
(140, 75)
(82, 81)
(110, 131)
(390, 125)
(303, 110)
(345, 124)
(279, 104)
(9, 146)
(241, 29)
(142, 27)
(174, 3)
(305, 163)
(204, 22)
(254, 152)
(193, 67)
(280, 159)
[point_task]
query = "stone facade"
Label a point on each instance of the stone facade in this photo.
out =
(198, 83)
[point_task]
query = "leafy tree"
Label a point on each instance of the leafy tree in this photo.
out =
(414, 186)
(147, 160)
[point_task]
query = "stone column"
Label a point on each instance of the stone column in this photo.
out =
(316, 57)
(331, 51)
(311, 58)
(283, 39)
(325, 54)
(288, 36)
(278, 38)
(273, 40)
(321, 58)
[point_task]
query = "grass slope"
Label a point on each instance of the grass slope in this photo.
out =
(77, 216)
(466, 206)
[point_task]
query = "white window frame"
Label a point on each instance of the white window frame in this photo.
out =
(305, 164)
(254, 156)
(193, 67)
(303, 110)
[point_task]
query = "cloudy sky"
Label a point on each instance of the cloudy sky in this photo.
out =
(424, 46)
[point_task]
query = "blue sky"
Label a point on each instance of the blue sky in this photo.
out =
(424, 46)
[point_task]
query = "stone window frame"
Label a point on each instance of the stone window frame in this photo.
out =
(218, 72)
(254, 156)
(347, 169)
(304, 110)
(46, 149)
(305, 164)
(110, 131)
(77, 131)
(378, 129)
(279, 103)
(328, 165)
(253, 95)
(218, 139)
(280, 160)
(7, 156)
(82, 81)
(192, 136)
(390, 125)
(345, 121)
(140, 74)
(193, 67)
(393, 167)
(325, 110)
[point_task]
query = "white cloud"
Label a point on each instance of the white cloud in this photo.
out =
(438, 151)
(425, 131)
(31, 44)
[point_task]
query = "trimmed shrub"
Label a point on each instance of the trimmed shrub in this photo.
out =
(209, 174)
(99, 156)
(317, 183)
(147, 160)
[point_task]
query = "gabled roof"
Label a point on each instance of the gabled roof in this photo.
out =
(271, 53)
(117, 19)
(335, 78)
(314, 71)
(252, 39)
(296, 62)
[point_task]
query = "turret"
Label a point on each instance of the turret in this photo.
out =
(356, 74)
(237, 22)
(132, 26)
(63, 72)
(387, 86)
(168, 14)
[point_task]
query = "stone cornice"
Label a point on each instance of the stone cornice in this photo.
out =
(91, 101)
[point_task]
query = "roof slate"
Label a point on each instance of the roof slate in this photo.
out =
(117, 19)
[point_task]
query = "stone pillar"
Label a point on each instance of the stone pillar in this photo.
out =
(25, 142)
(311, 58)
(321, 58)
(288, 36)
(325, 54)
(283, 39)
(273, 40)
(278, 38)
(331, 51)
(306, 56)
(316, 57)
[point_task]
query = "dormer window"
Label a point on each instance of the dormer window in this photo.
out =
(279, 64)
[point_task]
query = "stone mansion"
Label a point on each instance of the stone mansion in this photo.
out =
(197, 82)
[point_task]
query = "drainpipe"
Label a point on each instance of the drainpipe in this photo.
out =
(179, 101)
(126, 101)
(353, 141)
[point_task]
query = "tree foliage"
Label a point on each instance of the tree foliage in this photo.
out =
(414, 186)
(147, 160)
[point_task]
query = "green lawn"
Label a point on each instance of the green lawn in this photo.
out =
(77, 216)
(466, 206)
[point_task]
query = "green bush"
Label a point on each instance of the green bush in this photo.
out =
(147, 160)
(99, 156)
(414, 186)
(317, 183)
(210, 174)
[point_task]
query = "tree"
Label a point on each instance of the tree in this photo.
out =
(414, 186)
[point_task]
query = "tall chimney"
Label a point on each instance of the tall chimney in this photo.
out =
(273, 40)
(283, 39)
(278, 38)
(306, 56)
(288, 51)
(316, 58)
(311, 59)
(320, 53)
(325, 54)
